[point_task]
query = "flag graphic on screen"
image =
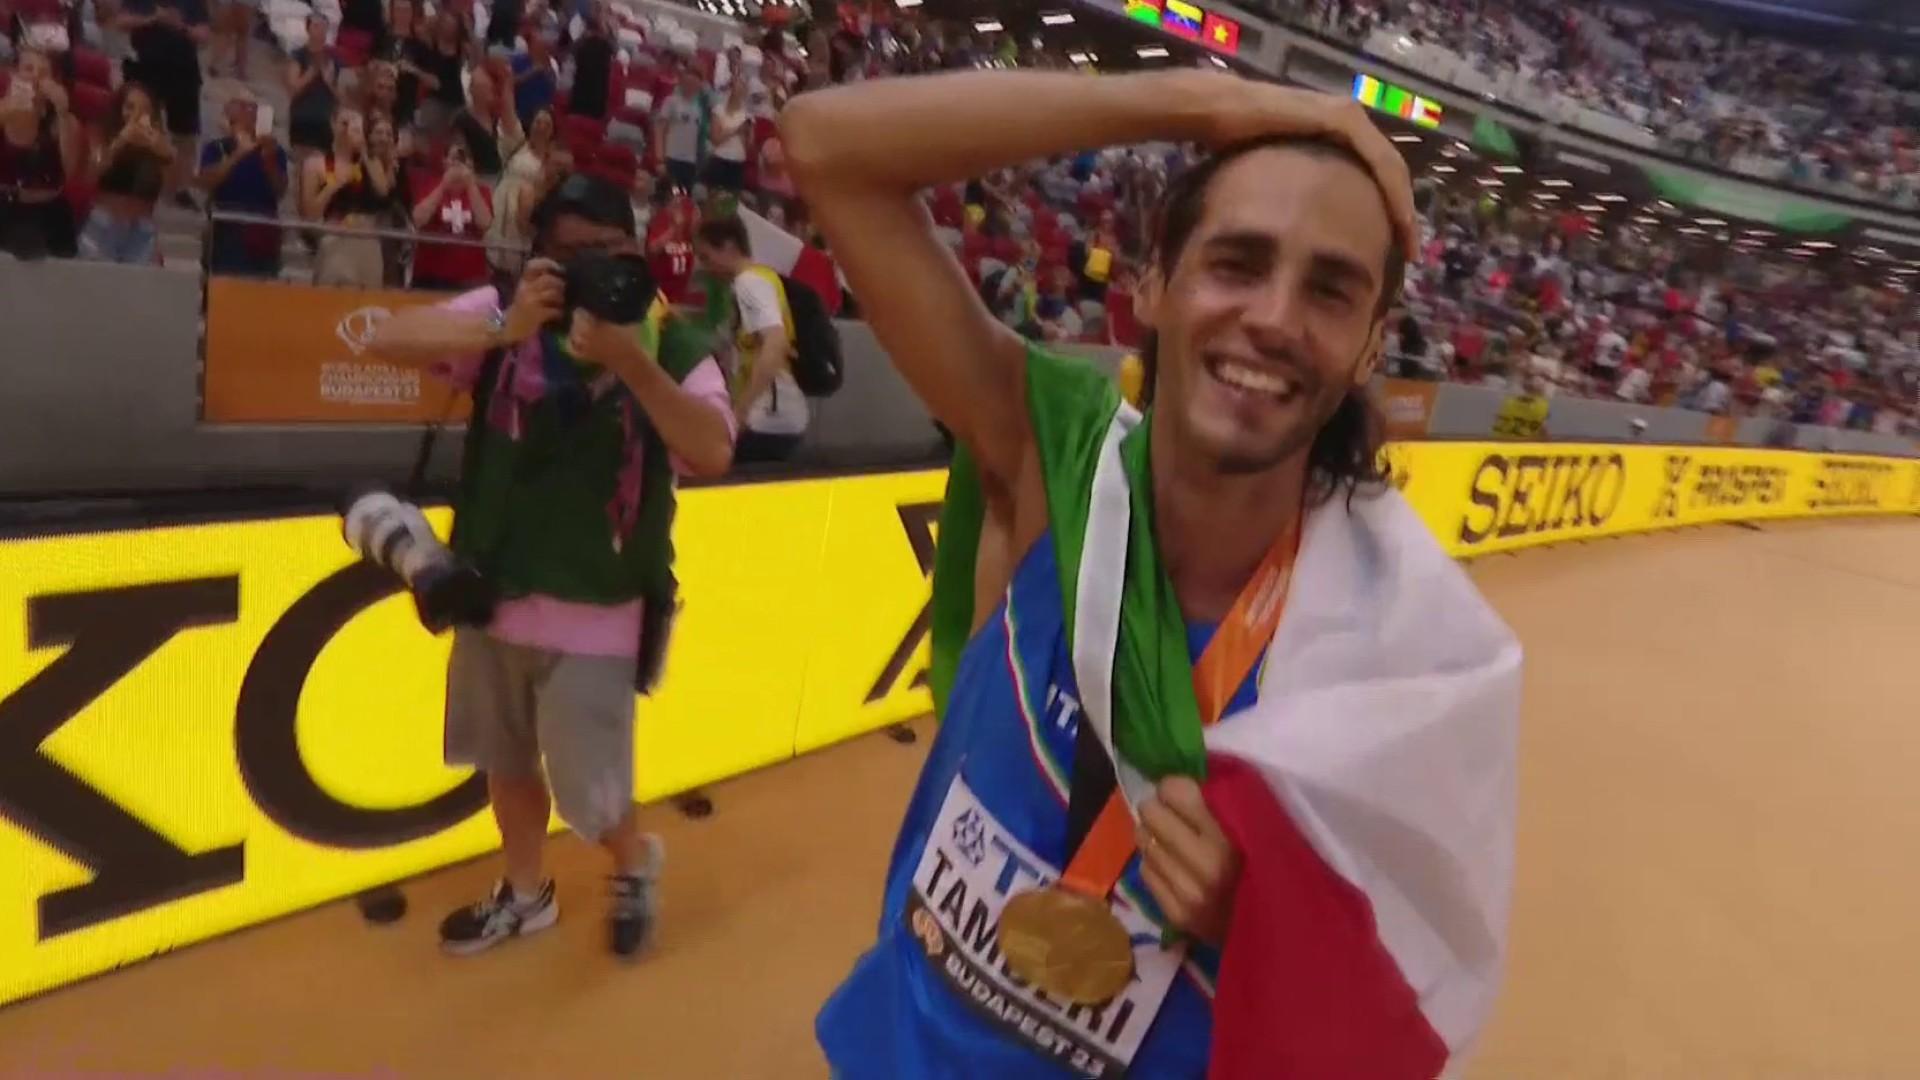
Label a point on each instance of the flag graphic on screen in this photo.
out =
(1220, 34)
(1389, 98)
(1182, 19)
(1146, 11)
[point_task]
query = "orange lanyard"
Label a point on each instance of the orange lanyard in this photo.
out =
(1235, 649)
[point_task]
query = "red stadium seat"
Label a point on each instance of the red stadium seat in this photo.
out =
(90, 102)
(620, 158)
(583, 130)
(352, 47)
(92, 66)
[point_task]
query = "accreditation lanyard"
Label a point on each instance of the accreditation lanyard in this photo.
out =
(1236, 647)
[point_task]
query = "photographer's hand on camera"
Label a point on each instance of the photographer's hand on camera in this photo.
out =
(537, 301)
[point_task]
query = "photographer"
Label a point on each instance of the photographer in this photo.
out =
(565, 504)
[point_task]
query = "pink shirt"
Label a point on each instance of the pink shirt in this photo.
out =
(545, 622)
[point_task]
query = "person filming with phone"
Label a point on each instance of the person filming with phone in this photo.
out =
(589, 397)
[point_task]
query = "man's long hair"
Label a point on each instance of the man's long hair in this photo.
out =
(1345, 455)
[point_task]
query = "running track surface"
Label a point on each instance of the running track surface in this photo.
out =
(1716, 874)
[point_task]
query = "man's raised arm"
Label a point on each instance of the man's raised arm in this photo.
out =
(862, 154)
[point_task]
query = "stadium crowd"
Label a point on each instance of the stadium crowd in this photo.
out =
(1843, 120)
(447, 124)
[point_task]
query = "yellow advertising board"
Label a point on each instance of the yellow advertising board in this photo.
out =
(206, 726)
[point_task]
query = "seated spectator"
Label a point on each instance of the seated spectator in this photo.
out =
(39, 149)
(773, 413)
(487, 125)
(346, 187)
(536, 78)
(244, 172)
(130, 172)
(312, 90)
(456, 205)
(167, 35)
(775, 181)
(728, 131)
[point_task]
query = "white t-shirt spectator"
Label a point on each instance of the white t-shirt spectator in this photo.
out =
(1609, 349)
(682, 116)
(733, 148)
(782, 410)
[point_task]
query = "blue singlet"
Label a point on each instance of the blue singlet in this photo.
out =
(988, 819)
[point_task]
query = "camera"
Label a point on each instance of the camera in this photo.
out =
(394, 535)
(618, 289)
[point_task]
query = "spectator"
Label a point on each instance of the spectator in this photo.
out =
(488, 127)
(348, 188)
(39, 150)
(235, 21)
(727, 165)
(458, 205)
(775, 182)
(245, 173)
(592, 66)
(383, 147)
(669, 246)
(536, 78)
(312, 89)
(440, 73)
(519, 191)
(410, 53)
(167, 35)
(680, 125)
(380, 88)
(363, 29)
(767, 401)
(129, 174)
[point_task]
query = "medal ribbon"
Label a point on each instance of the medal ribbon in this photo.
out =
(1236, 647)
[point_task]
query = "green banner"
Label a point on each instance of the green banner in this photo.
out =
(1750, 201)
(1492, 137)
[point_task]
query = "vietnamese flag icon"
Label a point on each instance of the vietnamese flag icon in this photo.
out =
(1221, 34)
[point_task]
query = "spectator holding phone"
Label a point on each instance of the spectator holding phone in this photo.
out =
(129, 174)
(167, 36)
(566, 503)
(346, 187)
(39, 149)
(459, 205)
(244, 172)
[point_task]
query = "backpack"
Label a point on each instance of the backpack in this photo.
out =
(818, 366)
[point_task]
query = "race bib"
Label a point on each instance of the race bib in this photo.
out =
(970, 868)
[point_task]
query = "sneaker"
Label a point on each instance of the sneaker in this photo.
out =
(635, 902)
(500, 916)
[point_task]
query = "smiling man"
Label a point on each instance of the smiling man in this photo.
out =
(1224, 779)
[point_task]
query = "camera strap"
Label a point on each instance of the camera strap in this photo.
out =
(482, 390)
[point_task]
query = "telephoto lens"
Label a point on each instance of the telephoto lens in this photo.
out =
(394, 535)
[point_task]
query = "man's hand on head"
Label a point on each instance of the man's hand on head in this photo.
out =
(1251, 110)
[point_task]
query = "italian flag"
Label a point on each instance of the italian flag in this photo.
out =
(786, 254)
(1370, 789)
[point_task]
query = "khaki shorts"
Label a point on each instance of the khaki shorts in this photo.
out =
(511, 709)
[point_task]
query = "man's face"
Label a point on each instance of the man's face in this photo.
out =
(719, 260)
(571, 235)
(1268, 317)
(240, 117)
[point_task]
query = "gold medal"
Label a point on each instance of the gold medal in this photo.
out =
(1068, 944)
